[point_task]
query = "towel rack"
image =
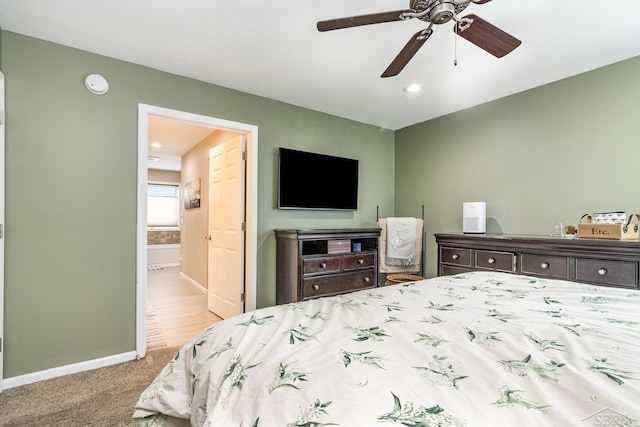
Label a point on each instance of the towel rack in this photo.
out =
(378, 212)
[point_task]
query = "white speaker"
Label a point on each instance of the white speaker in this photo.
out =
(474, 217)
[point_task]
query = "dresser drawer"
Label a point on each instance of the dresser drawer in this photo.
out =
(456, 256)
(338, 283)
(607, 272)
(321, 265)
(449, 270)
(545, 265)
(499, 261)
(356, 262)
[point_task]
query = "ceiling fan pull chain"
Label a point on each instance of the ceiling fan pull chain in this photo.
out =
(455, 46)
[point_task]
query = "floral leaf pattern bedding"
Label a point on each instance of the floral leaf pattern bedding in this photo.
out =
(475, 349)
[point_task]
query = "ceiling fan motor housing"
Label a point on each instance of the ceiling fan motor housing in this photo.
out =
(437, 11)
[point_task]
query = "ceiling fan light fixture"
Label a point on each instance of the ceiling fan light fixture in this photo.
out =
(442, 13)
(413, 88)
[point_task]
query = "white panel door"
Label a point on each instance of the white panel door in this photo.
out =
(226, 235)
(1, 225)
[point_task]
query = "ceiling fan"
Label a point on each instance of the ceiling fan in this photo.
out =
(471, 27)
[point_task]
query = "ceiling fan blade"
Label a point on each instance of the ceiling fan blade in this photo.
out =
(407, 52)
(487, 36)
(356, 21)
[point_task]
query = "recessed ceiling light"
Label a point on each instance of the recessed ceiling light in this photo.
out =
(413, 88)
(156, 144)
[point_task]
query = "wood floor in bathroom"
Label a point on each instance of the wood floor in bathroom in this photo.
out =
(180, 307)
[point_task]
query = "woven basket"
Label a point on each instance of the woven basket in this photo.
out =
(394, 279)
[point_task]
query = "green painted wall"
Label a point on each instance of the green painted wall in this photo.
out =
(71, 192)
(539, 157)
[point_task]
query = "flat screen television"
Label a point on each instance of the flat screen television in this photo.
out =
(316, 181)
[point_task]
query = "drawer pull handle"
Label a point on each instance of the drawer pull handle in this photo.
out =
(315, 287)
(323, 265)
(360, 261)
(602, 271)
(491, 260)
(366, 279)
(455, 256)
(544, 265)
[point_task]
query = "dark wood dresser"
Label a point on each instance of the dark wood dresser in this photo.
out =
(320, 262)
(600, 262)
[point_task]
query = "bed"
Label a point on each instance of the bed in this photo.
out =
(473, 349)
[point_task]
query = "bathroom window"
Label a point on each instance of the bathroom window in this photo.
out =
(163, 205)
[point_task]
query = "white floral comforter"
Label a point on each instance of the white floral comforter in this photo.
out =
(478, 349)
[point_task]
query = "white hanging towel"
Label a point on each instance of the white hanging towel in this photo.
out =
(401, 241)
(383, 267)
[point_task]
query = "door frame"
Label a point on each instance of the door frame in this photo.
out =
(251, 198)
(2, 231)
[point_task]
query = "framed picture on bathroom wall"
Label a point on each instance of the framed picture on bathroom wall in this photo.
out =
(192, 194)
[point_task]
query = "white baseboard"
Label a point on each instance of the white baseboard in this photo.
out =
(194, 283)
(48, 374)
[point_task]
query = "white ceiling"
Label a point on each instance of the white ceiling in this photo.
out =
(175, 139)
(272, 48)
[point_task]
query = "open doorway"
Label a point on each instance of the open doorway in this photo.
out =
(148, 113)
(176, 295)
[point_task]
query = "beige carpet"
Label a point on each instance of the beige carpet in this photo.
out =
(102, 397)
